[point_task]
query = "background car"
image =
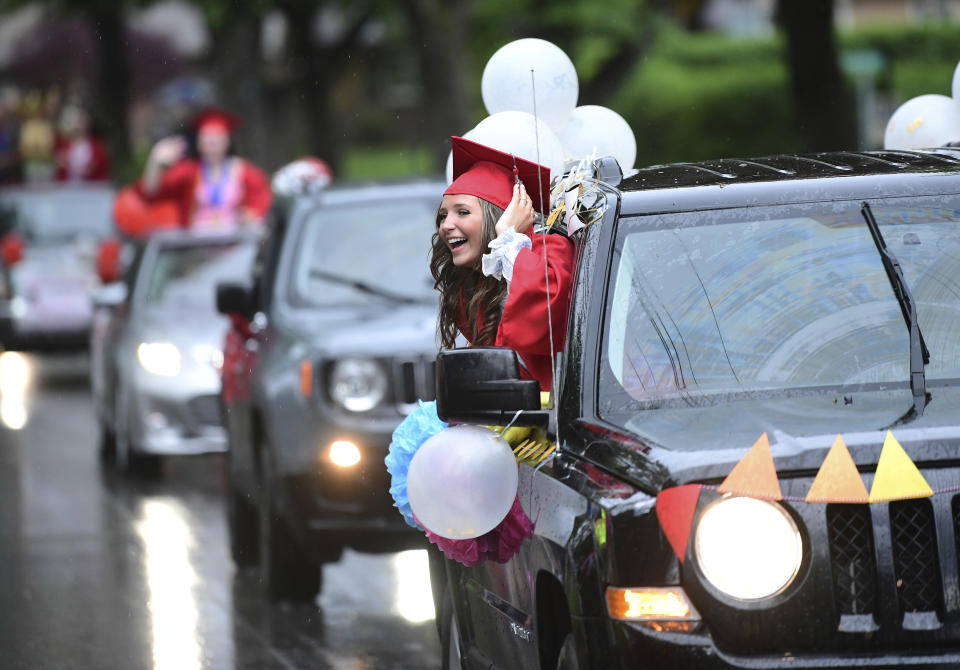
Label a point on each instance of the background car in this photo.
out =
(338, 343)
(716, 302)
(155, 350)
(45, 288)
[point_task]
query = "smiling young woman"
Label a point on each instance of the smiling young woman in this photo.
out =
(489, 266)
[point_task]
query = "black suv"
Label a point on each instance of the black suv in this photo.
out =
(715, 302)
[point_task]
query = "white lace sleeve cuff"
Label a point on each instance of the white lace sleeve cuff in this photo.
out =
(503, 252)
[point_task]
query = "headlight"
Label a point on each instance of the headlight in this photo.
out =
(159, 358)
(748, 548)
(358, 384)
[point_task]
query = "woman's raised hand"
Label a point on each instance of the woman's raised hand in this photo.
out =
(168, 150)
(519, 213)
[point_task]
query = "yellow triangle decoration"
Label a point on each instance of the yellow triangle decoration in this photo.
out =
(838, 480)
(897, 477)
(755, 474)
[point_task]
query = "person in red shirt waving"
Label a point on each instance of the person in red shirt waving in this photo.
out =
(488, 264)
(214, 190)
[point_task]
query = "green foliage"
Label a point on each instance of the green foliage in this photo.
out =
(384, 162)
(699, 95)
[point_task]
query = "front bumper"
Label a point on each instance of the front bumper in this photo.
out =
(177, 425)
(638, 646)
(27, 332)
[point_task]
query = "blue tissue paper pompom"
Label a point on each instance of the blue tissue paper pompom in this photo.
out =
(421, 424)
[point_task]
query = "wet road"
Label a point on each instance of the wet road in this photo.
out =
(99, 572)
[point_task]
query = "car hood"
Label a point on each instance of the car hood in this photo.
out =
(63, 267)
(704, 443)
(182, 326)
(379, 329)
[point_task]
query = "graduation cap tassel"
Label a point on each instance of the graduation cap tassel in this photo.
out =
(546, 272)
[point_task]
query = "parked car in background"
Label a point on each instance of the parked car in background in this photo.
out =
(49, 234)
(715, 302)
(155, 349)
(338, 344)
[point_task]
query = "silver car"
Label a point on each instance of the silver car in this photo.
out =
(156, 349)
(45, 295)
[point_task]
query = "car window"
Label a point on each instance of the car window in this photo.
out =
(384, 245)
(705, 304)
(49, 217)
(186, 276)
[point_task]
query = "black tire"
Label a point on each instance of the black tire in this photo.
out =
(289, 572)
(243, 522)
(451, 656)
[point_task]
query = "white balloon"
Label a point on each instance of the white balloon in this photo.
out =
(469, 135)
(522, 135)
(923, 122)
(592, 129)
(955, 90)
(506, 84)
(462, 482)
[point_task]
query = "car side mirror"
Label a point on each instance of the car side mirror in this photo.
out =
(235, 299)
(110, 296)
(483, 385)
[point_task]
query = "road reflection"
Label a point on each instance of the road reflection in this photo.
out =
(168, 542)
(15, 376)
(414, 601)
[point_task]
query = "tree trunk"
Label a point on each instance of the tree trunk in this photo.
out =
(822, 104)
(113, 83)
(439, 29)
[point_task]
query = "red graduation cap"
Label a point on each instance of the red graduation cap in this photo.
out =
(215, 116)
(490, 175)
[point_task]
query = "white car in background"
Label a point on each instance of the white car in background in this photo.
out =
(45, 293)
(156, 349)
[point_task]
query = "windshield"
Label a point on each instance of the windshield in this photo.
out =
(384, 244)
(709, 306)
(56, 216)
(185, 277)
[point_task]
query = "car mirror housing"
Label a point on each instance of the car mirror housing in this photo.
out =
(235, 299)
(110, 295)
(483, 385)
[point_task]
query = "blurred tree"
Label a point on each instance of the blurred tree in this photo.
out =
(440, 29)
(823, 107)
(111, 85)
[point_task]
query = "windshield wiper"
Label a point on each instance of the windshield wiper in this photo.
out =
(919, 354)
(363, 287)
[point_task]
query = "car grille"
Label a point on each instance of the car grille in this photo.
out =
(205, 411)
(914, 547)
(851, 548)
(414, 379)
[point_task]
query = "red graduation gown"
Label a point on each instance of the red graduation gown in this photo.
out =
(179, 183)
(524, 326)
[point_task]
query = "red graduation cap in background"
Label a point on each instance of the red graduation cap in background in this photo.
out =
(215, 116)
(490, 175)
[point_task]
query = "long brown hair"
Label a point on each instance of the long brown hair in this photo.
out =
(484, 294)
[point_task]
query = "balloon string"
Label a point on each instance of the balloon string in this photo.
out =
(546, 273)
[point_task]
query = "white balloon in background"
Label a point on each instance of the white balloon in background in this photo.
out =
(955, 90)
(522, 135)
(462, 482)
(595, 129)
(506, 84)
(923, 122)
(469, 135)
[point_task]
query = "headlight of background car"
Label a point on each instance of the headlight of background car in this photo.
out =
(749, 549)
(357, 384)
(159, 358)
